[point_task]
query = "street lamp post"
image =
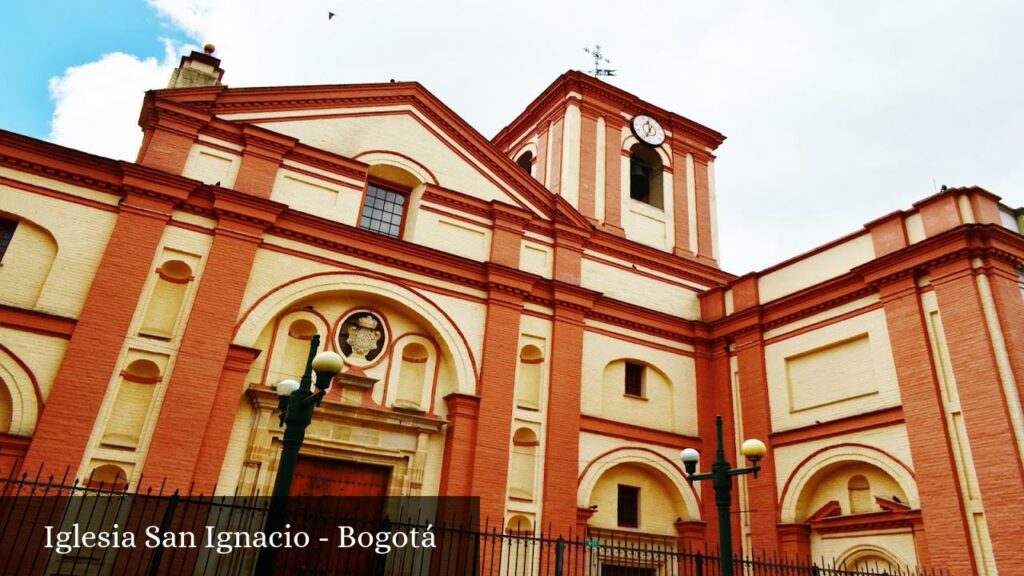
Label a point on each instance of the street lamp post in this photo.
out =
(721, 479)
(296, 401)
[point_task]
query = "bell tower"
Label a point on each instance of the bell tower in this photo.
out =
(632, 168)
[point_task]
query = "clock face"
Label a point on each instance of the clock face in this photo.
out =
(648, 130)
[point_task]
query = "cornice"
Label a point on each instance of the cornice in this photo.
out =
(457, 201)
(509, 280)
(680, 266)
(823, 296)
(36, 321)
(366, 245)
(869, 521)
(240, 100)
(574, 81)
(239, 206)
(160, 111)
(328, 161)
(28, 154)
(645, 320)
(964, 241)
(357, 415)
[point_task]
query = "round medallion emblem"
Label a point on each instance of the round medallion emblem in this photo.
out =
(361, 337)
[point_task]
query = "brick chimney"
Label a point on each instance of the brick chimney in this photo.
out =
(197, 70)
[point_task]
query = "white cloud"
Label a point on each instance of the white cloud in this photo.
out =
(835, 113)
(96, 105)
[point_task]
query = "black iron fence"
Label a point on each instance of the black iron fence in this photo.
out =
(55, 527)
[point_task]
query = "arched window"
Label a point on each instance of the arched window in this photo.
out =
(525, 161)
(389, 192)
(27, 254)
(645, 176)
(384, 210)
(7, 228)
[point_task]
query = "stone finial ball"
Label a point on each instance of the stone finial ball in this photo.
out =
(209, 48)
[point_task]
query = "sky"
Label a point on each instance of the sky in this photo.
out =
(835, 113)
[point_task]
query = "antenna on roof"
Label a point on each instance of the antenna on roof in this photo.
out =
(598, 59)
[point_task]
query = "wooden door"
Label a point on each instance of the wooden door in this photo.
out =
(323, 477)
(326, 494)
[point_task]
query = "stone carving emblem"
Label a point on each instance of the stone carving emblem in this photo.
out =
(361, 337)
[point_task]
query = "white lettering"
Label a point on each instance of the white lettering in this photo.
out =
(384, 542)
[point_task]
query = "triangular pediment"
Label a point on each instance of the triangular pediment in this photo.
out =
(400, 123)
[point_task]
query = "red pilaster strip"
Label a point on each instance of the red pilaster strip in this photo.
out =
(497, 395)
(222, 416)
(705, 239)
(681, 206)
(753, 391)
(555, 170)
(67, 420)
(459, 445)
(192, 393)
(261, 158)
(588, 165)
(941, 504)
(994, 448)
(612, 177)
(563, 422)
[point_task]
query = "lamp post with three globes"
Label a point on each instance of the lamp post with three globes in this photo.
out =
(721, 479)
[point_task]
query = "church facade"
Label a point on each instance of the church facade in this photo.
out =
(538, 319)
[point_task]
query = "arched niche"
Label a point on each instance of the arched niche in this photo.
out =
(108, 477)
(442, 329)
(824, 476)
(519, 551)
(653, 466)
(519, 525)
(530, 377)
(20, 395)
(27, 262)
(413, 373)
(522, 478)
(126, 419)
(858, 488)
(289, 347)
(163, 310)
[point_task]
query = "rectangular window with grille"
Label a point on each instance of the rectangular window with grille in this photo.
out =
(629, 506)
(6, 234)
(634, 379)
(383, 211)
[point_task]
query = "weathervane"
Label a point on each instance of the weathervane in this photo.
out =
(598, 58)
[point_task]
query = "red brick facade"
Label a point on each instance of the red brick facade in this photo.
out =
(949, 259)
